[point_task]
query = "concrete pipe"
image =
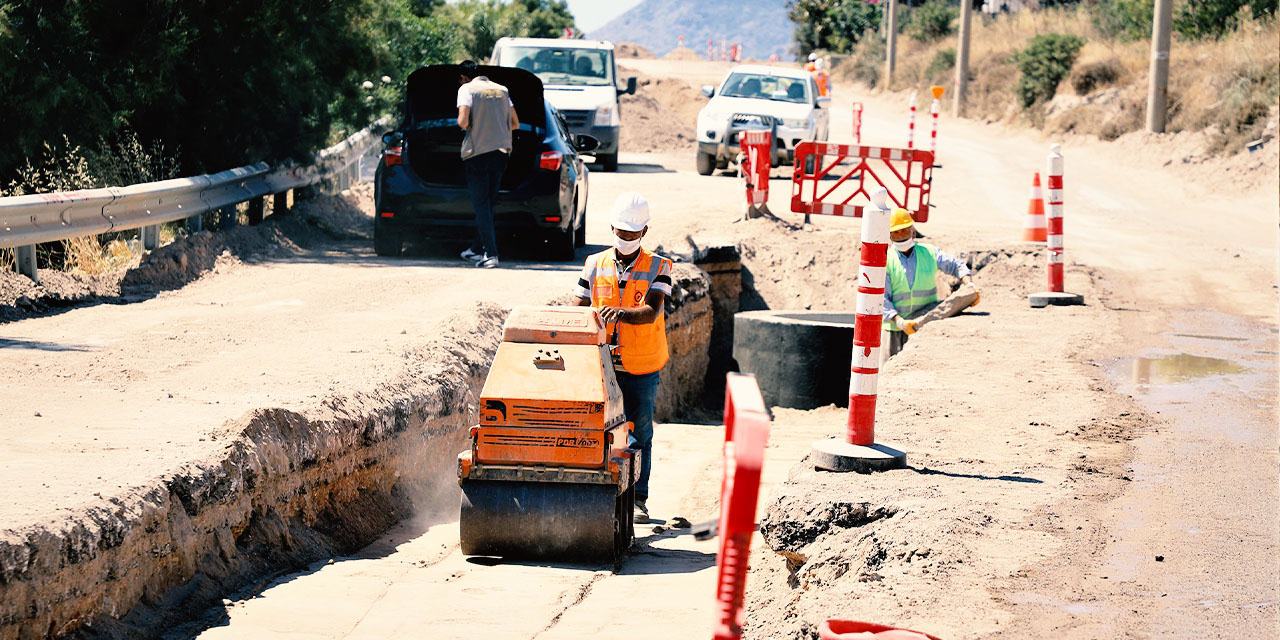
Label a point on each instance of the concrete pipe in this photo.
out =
(800, 358)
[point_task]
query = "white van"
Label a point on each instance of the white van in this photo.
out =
(579, 79)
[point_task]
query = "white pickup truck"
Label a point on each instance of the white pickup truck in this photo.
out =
(579, 79)
(782, 99)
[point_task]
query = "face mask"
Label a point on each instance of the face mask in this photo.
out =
(905, 245)
(626, 247)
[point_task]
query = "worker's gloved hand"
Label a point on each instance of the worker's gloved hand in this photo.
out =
(906, 326)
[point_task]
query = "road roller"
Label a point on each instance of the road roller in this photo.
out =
(549, 474)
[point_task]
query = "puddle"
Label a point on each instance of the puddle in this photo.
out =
(1180, 367)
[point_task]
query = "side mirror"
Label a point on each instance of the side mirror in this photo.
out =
(708, 91)
(631, 87)
(393, 138)
(823, 102)
(583, 142)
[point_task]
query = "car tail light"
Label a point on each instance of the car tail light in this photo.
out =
(387, 214)
(392, 156)
(551, 218)
(550, 160)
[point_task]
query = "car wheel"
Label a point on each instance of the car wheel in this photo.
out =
(706, 164)
(561, 245)
(387, 242)
(580, 232)
(608, 162)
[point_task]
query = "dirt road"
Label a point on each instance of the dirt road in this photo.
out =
(1179, 462)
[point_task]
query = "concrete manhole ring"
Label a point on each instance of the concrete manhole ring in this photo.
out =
(800, 358)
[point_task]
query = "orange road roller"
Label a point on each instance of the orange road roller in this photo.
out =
(549, 474)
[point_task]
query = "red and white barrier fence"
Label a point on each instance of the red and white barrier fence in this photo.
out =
(857, 123)
(746, 432)
(906, 174)
(757, 152)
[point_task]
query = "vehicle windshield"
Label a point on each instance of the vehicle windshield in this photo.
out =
(766, 87)
(567, 65)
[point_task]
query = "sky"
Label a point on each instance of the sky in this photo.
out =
(593, 14)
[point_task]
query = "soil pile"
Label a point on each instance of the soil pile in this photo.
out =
(682, 53)
(660, 116)
(631, 50)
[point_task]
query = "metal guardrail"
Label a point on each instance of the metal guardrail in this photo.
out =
(26, 221)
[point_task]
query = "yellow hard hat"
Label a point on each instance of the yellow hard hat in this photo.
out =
(901, 219)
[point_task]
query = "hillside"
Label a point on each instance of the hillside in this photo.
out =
(760, 25)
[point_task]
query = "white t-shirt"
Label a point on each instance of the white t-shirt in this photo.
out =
(464, 96)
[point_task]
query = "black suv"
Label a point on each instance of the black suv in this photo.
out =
(420, 188)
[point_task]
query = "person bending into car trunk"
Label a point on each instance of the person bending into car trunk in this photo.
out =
(487, 115)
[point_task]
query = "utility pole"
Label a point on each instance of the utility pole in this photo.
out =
(1158, 90)
(891, 44)
(962, 58)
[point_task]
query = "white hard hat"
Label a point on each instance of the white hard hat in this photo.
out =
(812, 57)
(630, 212)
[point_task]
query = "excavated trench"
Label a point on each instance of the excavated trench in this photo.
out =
(292, 488)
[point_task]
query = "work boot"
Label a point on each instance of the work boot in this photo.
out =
(641, 513)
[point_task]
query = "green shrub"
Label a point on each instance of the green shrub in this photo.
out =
(943, 61)
(1199, 19)
(1086, 78)
(1043, 64)
(1126, 20)
(931, 21)
(832, 25)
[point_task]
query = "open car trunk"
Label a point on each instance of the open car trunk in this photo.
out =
(432, 136)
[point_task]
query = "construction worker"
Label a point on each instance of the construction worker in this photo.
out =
(629, 285)
(911, 288)
(822, 77)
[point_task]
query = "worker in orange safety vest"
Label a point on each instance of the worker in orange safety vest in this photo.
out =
(629, 285)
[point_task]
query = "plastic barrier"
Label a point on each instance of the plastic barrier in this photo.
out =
(757, 147)
(854, 630)
(838, 189)
(746, 432)
(857, 123)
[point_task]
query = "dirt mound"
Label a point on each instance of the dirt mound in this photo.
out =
(661, 116)
(313, 223)
(682, 53)
(631, 50)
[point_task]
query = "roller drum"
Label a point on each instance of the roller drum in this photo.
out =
(542, 520)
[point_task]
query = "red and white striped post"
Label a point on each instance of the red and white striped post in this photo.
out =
(911, 123)
(1057, 294)
(857, 123)
(936, 90)
(858, 451)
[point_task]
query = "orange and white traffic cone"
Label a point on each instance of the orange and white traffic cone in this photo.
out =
(1035, 230)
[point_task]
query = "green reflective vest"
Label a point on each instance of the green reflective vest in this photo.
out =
(912, 299)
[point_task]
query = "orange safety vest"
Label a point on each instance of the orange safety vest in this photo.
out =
(823, 79)
(642, 347)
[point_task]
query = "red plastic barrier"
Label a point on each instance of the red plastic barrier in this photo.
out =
(757, 149)
(843, 185)
(854, 630)
(746, 432)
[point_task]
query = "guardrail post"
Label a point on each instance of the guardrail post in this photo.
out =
(150, 237)
(195, 224)
(256, 208)
(26, 257)
(227, 217)
(280, 202)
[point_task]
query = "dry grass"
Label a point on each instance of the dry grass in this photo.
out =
(91, 255)
(1229, 86)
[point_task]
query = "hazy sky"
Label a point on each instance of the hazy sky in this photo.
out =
(593, 14)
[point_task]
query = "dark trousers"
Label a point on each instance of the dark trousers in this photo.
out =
(484, 174)
(638, 395)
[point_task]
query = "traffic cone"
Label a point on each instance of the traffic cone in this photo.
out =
(1035, 231)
